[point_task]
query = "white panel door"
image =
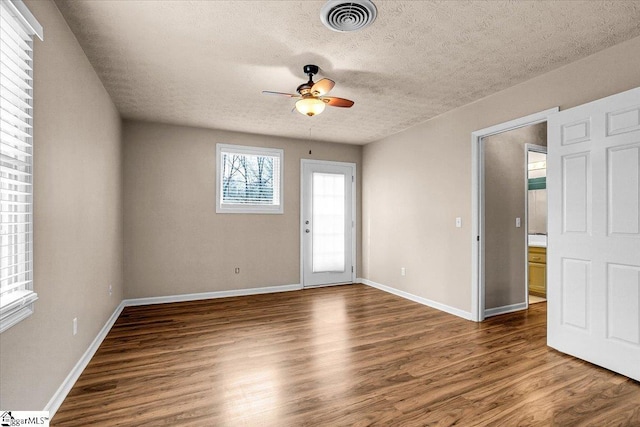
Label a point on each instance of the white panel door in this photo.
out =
(593, 256)
(327, 222)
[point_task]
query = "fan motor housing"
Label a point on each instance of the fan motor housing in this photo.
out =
(304, 89)
(310, 69)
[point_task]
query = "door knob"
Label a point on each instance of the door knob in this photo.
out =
(307, 231)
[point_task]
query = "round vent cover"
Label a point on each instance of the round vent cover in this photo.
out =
(340, 15)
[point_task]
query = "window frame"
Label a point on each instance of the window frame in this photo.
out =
(18, 296)
(238, 208)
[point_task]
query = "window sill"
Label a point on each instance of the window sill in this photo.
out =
(252, 209)
(16, 307)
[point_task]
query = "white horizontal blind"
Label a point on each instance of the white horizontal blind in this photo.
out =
(249, 179)
(16, 193)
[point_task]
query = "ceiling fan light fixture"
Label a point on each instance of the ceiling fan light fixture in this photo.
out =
(345, 16)
(310, 106)
(311, 95)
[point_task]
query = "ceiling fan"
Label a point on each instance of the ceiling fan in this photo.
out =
(311, 99)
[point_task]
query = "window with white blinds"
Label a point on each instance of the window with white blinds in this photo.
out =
(17, 28)
(249, 179)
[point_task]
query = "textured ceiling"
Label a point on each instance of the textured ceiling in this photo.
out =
(205, 63)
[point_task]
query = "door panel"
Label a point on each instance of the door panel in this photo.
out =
(623, 296)
(624, 190)
(593, 259)
(575, 292)
(327, 222)
(576, 183)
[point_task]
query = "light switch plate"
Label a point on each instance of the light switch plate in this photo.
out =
(517, 222)
(458, 222)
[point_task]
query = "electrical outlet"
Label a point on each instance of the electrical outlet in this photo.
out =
(237, 270)
(517, 222)
(75, 325)
(403, 271)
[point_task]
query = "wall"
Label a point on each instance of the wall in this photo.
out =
(537, 213)
(175, 243)
(415, 183)
(77, 219)
(504, 201)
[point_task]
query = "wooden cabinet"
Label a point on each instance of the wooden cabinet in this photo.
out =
(538, 271)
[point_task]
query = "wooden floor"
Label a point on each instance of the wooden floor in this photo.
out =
(349, 355)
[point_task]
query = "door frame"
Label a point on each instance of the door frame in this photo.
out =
(477, 204)
(537, 149)
(353, 217)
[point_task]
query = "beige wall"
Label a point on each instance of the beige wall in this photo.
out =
(77, 219)
(175, 243)
(415, 183)
(504, 201)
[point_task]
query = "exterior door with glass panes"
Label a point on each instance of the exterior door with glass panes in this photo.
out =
(327, 225)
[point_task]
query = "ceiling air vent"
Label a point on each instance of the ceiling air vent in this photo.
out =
(343, 16)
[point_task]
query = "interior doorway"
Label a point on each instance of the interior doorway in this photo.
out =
(537, 214)
(496, 286)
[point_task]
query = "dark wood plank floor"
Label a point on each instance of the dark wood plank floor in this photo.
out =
(348, 355)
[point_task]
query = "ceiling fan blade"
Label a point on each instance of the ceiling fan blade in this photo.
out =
(338, 102)
(290, 95)
(322, 87)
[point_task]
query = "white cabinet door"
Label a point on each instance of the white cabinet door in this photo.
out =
(593, 258)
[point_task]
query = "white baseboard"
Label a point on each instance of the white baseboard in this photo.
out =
(58, 397)
(211, 295)
(504, 309)
(420, 300)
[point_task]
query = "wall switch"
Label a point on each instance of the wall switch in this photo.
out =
(237, 270)
(403, 271)
(75, 325)
(110, 290)
(517, 222)
(458, 222)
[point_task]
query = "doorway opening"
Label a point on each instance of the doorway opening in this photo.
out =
(500, 240)
(536, 177)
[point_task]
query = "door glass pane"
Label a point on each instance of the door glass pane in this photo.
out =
(328, 222)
